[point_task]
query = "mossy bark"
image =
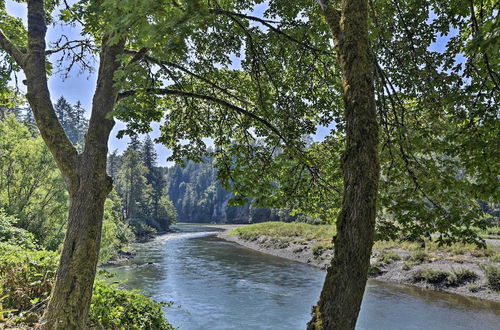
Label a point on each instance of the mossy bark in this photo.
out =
(345, 282)
(85, 174)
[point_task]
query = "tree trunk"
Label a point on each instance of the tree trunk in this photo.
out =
(345, 282)
(70, 299)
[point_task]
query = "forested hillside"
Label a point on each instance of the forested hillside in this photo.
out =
(198, 197)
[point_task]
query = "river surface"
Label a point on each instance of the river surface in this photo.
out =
(216, 284)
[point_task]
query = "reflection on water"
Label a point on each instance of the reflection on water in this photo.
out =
(220, 285)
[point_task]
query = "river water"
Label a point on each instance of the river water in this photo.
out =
(216, 284)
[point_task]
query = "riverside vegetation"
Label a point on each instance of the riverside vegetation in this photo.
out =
(460, 268)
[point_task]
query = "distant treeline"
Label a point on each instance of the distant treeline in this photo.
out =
(198, 197)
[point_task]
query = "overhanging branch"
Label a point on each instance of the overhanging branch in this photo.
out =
(212, 99)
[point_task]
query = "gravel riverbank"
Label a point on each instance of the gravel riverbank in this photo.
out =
(464, 274)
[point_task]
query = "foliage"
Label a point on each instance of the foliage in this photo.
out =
(31, 187)
(113, 308)
(13, 235)
(442, 277)
(116, 235)
(73, 121)
(199, 197)
(26, 276)
(141, 185)
(386, 258)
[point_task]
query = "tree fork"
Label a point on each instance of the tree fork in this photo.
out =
(345, 282)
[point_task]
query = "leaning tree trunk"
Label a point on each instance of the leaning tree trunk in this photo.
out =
(345, 282)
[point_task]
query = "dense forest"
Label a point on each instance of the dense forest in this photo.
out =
(199, 197)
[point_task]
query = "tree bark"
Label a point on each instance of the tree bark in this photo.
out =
(85, 174)
(345, 282)
(71, 296)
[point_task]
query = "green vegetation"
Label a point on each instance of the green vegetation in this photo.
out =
(296, 232)
(442, 277)
(199, 197)
(33, 194)
(492, 272)
(113, 308)
(142, 187)
(416, 257)
(386, 257)
(26, 278)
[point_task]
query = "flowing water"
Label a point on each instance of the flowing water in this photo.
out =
(216, 284)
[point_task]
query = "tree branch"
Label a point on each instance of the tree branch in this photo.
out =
(332, 17)
(166, 91)
(7, 45)
(38, 94)
(267, 24)
(141, 54)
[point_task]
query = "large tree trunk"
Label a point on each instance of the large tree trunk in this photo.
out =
(345, 282)
(70, 299)
(85, 174)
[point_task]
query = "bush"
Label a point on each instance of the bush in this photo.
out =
(26, 277)
(433, 276)
(113, 308)
(13, 235)
(416, 258)
(492, 273)
(386, 258)
(464, 275)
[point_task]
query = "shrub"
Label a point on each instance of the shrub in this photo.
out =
(113, 308)
(386, 258)
(416, 258)
(492, 273)
(26, 277)
(433, 276)
(464, 275)
(13, 235)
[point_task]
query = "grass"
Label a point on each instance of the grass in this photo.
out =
(321, 235)
(386, 257)
(442, 277)
(492, 273)
(417, 257)
(494, 230)
(296, 232)
(434, 248)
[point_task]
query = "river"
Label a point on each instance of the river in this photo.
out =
(216, 284)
